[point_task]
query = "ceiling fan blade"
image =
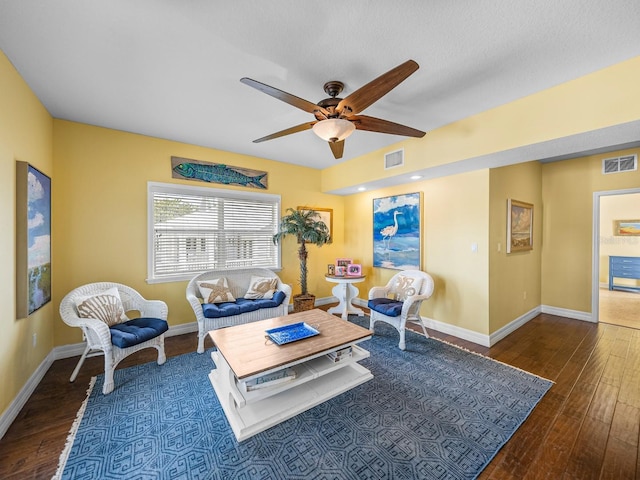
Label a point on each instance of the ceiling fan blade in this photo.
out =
(376, 89)
(297, 102)
(372, 124)
(298, 128)
(337, 148)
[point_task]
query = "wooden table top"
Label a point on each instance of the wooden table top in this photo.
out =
(249, 351)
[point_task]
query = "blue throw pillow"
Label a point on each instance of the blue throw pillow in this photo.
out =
(136, 331)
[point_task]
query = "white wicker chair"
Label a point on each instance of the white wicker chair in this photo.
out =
(403, 311)
(98, 335)
(238, 282)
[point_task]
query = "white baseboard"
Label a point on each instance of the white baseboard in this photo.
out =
(182, 329)
(565, 312)
(58, 353)
(326, 301)
(10, 414)
(463, 333)
(357, 301)
(512, 326)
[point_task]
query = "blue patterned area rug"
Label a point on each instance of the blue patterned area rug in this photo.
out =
(434, 411)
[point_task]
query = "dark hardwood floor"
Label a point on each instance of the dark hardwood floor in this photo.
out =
(586, 427)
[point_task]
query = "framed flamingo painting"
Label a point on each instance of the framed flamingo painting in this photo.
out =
(397, 232)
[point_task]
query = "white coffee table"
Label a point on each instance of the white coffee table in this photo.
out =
(244, 354)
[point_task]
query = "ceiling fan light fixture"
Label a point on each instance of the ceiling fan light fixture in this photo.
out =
(333, 129)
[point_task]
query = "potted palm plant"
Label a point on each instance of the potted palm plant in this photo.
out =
(307, 227)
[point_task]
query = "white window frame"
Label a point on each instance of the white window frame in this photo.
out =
(171, 188)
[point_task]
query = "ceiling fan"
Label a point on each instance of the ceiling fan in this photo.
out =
(337, 118)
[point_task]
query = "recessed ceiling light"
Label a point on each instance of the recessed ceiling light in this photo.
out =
(361, 189)
(415, 177)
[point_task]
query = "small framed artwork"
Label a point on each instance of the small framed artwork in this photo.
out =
(331, 269)
(343, 262)
(324, 214)
(354, 270)
(519, 226)
(341, 270)
(626, 228)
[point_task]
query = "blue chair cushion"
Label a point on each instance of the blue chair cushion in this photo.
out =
(386, 306)
(241, 305)
(136, 331)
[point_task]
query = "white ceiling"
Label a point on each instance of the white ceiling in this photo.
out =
(171, 69)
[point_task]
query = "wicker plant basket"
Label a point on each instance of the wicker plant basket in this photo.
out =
(302, 303)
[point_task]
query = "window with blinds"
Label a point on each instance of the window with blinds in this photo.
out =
(193, 229)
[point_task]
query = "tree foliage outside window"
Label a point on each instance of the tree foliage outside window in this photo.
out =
(168, 208)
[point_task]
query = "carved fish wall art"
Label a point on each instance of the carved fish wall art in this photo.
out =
(186, 168)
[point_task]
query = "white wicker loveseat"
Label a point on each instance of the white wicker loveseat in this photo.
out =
(211, 317)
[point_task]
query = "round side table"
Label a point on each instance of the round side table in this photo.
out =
(345, 291)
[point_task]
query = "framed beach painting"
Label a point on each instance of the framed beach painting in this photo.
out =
(626, 228)
(519, 226)
(33, 239)
(397, 231)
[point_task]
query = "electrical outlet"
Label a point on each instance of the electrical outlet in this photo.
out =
(35, 339)
(524, 295)
(499, 247)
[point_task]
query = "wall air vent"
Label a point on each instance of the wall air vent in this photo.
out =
(626, 163)
(394, 159)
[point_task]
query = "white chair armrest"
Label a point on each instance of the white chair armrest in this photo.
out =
(283, 287)
(378, 292)
(154, 309)
(98, 331)
(194, 301)
(408, 303)
(96, 325)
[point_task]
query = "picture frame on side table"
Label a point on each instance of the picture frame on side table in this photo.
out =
(519, 226)
(343, 262)
(341, 270)
(354, 270)
(331, 269)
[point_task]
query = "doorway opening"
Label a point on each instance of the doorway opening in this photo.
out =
(620, 306)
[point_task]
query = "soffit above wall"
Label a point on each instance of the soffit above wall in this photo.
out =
(604, 140)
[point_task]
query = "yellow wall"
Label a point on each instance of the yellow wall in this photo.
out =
(26, 135)
(602, 99)
(100, 212)
(455, 216)
(99, 209)
(567, 226)
(514, 278)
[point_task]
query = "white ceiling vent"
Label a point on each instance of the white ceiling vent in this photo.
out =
(394, 159)
(626, 163)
